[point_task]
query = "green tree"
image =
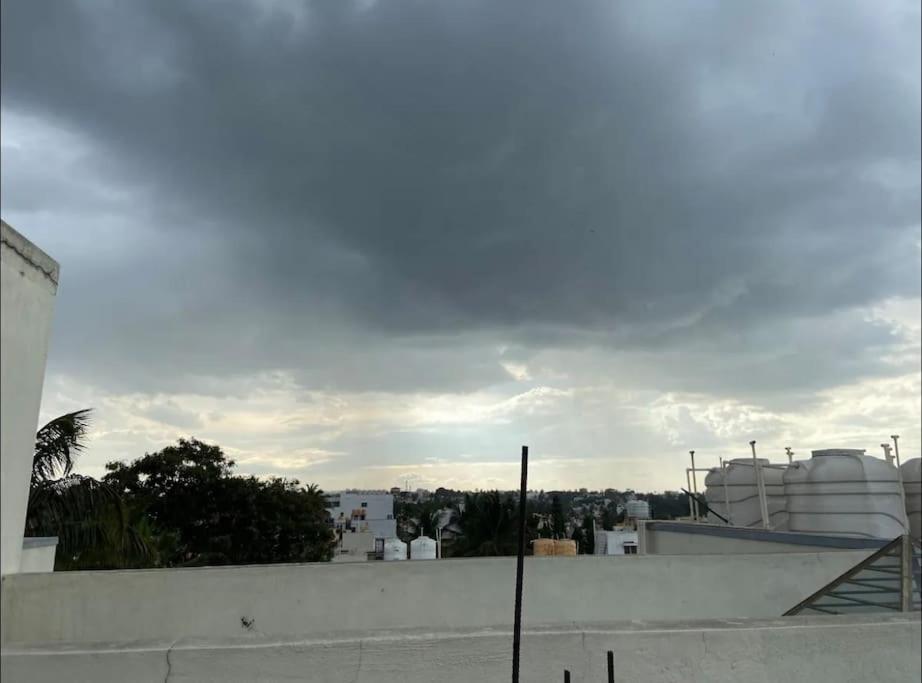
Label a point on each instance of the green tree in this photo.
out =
(204, 514)
(58, 444)
(588, 533)
(88, 517)
(414, 519)
(667, 505)
(489, 524)
(558, 520)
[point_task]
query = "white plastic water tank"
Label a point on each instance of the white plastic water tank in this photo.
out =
(743, 494)
(422, 548)
(394, 549)
(637, 509)
(843, 492)
(912, 485)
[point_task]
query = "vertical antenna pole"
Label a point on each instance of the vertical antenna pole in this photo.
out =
(694, 488)
(760, 484)
(519, 571)
(899, 471)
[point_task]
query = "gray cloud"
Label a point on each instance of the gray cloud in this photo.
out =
(383, 196)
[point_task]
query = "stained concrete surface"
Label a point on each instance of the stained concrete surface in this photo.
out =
(815, 649)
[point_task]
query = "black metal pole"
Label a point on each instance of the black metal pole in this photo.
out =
(611, 667)
(566, 676)
(519, 570)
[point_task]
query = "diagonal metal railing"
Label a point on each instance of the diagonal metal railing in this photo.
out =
(890, 579)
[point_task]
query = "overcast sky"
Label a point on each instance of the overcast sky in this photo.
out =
(365, 243)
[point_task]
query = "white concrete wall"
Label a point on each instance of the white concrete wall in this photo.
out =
(612, 542)
(28, 282)
(657, 542)
(354, 546)
(81, 607)
(816, 649)
(38, 555)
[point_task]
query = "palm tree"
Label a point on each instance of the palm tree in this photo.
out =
(58, 444)
(87, 516)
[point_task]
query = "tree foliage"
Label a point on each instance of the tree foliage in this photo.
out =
(58, 444)
(490, 524)
(588, 535)
(87, 516)
(558, 519)
(205, 514)
(90, 522)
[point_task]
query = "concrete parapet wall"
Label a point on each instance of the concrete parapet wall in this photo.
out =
(302, 600)
(815, 649)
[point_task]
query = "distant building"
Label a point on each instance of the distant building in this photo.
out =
(354, 547)
(362, 512)
(616, 542)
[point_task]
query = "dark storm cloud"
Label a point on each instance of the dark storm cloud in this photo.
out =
(336, 177)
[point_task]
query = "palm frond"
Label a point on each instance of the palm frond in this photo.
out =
(57, 445)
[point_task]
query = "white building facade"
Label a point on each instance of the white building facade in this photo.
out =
(616, 542)
(363, 512)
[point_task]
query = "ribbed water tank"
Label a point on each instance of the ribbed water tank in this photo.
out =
(394, 549)
(843, 492)
(543, 546)
(912, 485)
(565, 546)
(637, 509)
(743, 494)
(422, 548)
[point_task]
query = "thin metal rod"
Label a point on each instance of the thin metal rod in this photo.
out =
(888, 455)
(896, 448)
(899, 472)
(611, 667)
(566, 676)
(723, 467)
(760, 484)
(905, 574)
(695, 484)
(519, 570)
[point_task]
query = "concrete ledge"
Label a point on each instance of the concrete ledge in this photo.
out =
(29, 253)
(818, 649)
(811, 541)
(75, 607)
(30, 542)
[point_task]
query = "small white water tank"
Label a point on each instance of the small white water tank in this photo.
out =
(637, 509)
(422, 548)
(743, 494)
(394, 549)
(912, 485)
(842, 492)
